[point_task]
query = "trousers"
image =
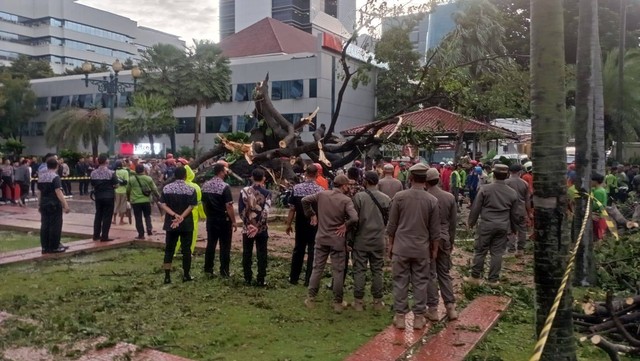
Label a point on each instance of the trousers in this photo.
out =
(218, 230)
(50, 227)
(171, 240)
(407, 270)
(260, 241)
(375, 261)
(142, 210)
(338, 256)
(304, 243)
(102, 219)
(439, 277)
(491, 240)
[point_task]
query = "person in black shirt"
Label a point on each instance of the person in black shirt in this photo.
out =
(305, 233)
(104, 182)
(51, 206)
(177, 200)
(82, 170)
(221, 220)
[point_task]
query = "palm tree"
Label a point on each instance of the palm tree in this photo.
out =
(71, 126)
(150, 115)
(553, 243)
(206, 79)
(629, 127)
(598, 149)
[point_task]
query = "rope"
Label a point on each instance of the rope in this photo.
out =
(544, 334)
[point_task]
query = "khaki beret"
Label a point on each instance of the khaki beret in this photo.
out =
(432, 174)
(419, 169)
(340, 180)
(500, 168)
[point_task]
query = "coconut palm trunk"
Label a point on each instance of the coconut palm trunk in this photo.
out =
(598, 150)
(196, 132)
(553, 243)
(585, 266)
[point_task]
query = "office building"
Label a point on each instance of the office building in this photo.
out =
(66, 34)
(236, 15)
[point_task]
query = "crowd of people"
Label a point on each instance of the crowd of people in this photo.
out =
(403, 213)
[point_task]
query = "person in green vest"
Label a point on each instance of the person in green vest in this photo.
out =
(611, 182)
(600, 194)
(120, 206)
(139, 184)
(403, 175)
(198, 211)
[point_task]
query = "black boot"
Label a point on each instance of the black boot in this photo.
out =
(167, 277)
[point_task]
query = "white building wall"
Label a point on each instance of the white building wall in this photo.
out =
(358, 106)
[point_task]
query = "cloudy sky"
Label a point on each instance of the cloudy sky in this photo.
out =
(190, 19)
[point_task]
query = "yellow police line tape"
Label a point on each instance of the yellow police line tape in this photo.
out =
(544, 334)
(66, 178)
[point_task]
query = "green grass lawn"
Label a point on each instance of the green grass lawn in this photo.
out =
(12, 241)
(119, 294)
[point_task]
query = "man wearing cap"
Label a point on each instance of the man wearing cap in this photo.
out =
(414, 223)
(441, 266)
(497, 206)
(334, 217)
(389, 185)
(516, 244)
(221, 220)
(369, 242)
(305, 233)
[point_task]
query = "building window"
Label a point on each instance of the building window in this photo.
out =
(288, 89)
(313, 88)
(84, 101)
(42, 104)
(244, 92)
(245, 123)
(222, 124)
(331, 7)
(186, 125)
(36, 129)
(125, 100)
(60, 102)
(101, 100)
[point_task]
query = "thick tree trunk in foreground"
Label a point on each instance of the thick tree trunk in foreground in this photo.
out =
(553, 243)
(598, 150)
(585, 262)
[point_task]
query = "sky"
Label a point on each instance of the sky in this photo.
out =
(189, 19)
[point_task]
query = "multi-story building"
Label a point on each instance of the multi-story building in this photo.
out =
(304, 73)
(66, 34)
(430, 29)
(235, 15)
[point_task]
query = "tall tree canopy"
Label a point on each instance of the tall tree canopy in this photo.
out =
(19, 105)
(72, 126)
(27, 68)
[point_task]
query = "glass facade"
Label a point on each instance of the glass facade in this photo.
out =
(288, 89)
(42, 104)
(227, 18)
(186, 125)
(245, 123)
(8, 55)
(313, 88)
(221, 124)
(84, 101)
(244, 92)
(60, 102)
(81, 28)
(292, 12)
(35, 129)
(94, 49)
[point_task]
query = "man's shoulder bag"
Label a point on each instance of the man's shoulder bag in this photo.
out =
(383, 211)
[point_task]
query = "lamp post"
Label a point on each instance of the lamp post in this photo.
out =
(111, 86)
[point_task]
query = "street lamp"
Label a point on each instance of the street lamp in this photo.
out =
(111, 86)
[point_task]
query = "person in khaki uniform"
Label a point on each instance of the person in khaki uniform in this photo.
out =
(414, 225)
(516, 244)
(335, 216)
(389, 185)
(441, 266)
(497, 206)
(369, 242)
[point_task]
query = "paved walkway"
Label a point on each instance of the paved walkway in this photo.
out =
(453, 343)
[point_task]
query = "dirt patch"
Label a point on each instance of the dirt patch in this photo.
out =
(27, 354)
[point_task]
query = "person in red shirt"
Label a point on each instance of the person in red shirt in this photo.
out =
(321, 180)
(445, 177)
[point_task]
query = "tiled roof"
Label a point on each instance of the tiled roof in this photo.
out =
(268, 36)
(438, 120)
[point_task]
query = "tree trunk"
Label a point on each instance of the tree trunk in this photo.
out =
(196, 133)
(598, 151)
(153, 150)
(172, 140)
(621, 51)
(585, 263)
(553, 243)
(94, 147)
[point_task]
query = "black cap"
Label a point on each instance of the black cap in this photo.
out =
(515, 168)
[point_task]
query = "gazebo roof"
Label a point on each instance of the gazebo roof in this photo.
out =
(441, 121)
